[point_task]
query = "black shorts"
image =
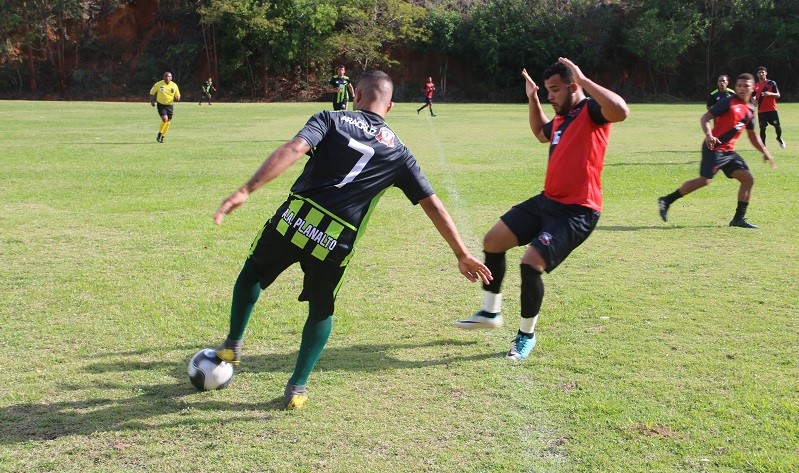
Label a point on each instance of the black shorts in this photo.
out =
(272, 254)
(339, 106)
(164, 110)
(715, 161)
(554, 229)
(768, 118)
(428, 101)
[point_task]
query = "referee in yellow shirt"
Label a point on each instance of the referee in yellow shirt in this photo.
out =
(165, 92)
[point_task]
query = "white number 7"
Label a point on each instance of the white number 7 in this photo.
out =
(366, 154)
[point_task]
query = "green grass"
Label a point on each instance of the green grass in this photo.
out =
(662, 347)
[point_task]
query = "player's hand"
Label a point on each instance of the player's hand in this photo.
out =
(579, 77)
(152, 103)
(530, 87)
(472, 268)
(767, 158)
(711, 141)
(230, 204)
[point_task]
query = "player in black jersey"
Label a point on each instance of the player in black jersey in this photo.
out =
(353, 158)
(720, 93)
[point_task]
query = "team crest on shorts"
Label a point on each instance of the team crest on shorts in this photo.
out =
(545, 239)
(386, 137)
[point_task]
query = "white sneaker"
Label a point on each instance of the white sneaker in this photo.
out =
(782, 144)
(481, 320)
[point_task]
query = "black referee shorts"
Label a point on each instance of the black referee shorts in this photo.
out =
(554, 229)
(164, 110)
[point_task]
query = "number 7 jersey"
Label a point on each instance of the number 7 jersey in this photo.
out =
(354, 158)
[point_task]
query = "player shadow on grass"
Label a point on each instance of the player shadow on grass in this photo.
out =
(36, 421)
(662, 226)
(367, 357)
(85, 415)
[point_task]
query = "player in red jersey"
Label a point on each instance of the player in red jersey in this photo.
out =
(429, 88)
(559, 219)
(730, 117)
(766, 94)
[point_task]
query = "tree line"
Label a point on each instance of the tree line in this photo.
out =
(648, 50)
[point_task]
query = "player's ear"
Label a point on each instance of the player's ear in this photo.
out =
(573, 87)
(390, 106)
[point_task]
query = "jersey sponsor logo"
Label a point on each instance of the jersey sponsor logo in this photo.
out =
(386, 137)
(304, 228)
(545, 239)
(556, 138)
(359, 123)
(575, 111)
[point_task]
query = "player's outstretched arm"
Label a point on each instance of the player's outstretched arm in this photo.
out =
(754, 138)
(277, 162)
(468, 265)
(614, 108)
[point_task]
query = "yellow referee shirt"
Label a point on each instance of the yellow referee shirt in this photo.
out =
(166, 93)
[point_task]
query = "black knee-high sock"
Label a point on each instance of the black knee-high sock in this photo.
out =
(672, 197)
(532, 293)
(763, 135)
(740, 211)
(496, 264)
(778, 130)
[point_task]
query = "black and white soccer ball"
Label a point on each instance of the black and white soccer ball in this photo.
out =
(207, 372)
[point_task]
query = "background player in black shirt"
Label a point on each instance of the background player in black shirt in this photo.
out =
(353, 158)
(721, 92)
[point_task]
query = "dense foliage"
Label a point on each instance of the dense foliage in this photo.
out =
(284, 49)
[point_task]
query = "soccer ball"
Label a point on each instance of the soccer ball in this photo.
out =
(208, 372)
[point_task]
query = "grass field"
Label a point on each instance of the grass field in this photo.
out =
(662, 346)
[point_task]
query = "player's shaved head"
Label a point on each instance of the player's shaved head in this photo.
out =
(376, 86)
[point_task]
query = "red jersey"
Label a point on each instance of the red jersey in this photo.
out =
(731, 117)
(578, 141)
(428, 90)
(766, 103)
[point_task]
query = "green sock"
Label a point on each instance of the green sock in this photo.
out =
(245, 294)
(314, 337)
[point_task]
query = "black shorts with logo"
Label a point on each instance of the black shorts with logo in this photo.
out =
(164, 110)
(768, 118)
(715, 161)
(554, 229)
(339, 106)
(273, 253)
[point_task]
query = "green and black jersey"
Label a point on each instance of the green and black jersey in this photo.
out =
(340, 83)
(717, 96)
(354, 158)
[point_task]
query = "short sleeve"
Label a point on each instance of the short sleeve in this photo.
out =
(412, 181)
(315, 129)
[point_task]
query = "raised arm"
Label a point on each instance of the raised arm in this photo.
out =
(468, 265)
(537, 117)
(614, 108)
(277, 162)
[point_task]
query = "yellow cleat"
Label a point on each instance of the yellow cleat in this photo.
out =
(229, 351)
(294, 397)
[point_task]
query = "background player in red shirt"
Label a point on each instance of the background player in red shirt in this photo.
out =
(730, 117)
(429, 88)
(766, 94)
(559, 219)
